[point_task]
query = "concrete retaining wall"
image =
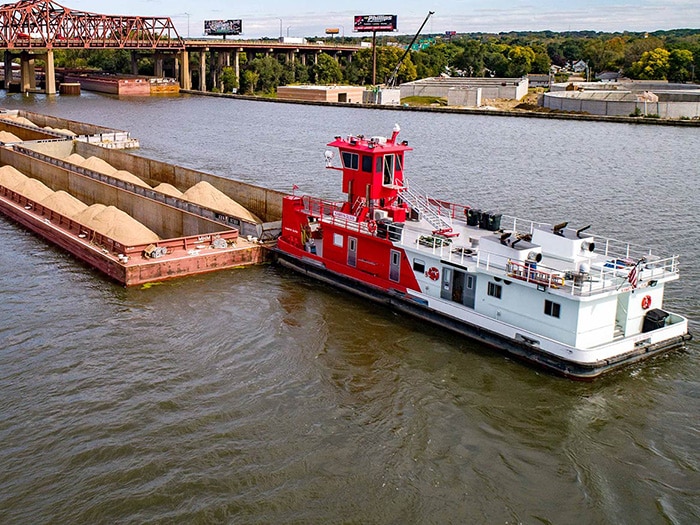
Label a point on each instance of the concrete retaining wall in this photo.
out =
(509, 88)
(666, 109)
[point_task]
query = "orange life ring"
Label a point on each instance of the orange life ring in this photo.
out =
(433, 273)
(371, 226)
(646, 302)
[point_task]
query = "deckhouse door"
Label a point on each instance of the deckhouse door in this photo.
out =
(458, 286)
(352, 251)
(470, 290)
(395, 266)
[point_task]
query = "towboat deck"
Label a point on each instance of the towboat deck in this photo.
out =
(607, 268)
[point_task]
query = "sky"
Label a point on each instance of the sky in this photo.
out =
(305, 18)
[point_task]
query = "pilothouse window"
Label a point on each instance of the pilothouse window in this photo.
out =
(388, 170)
(350, 160)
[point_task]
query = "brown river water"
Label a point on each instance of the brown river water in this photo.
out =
(257, 396)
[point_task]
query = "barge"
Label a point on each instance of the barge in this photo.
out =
(556, 296)
(122, 85)
(193, 232)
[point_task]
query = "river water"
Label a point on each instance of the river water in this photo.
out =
(257, 396)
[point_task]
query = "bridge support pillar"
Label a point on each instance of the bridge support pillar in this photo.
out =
(185, 78)
(158, 65)
(214, 68)
(134, 63)
(203, 70)
(237, 65)
(49, 73)
(8, 69)
(28, 71)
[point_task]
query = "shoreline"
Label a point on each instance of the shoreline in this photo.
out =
(464, 111)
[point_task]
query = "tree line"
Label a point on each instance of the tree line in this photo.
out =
(663, 55)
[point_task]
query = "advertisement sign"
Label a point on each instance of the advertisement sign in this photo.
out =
(222, 27)
(375, 23)
(332, 31)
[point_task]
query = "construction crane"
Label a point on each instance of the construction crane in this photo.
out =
(392, 79)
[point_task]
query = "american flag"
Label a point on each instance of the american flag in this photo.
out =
(633, 276)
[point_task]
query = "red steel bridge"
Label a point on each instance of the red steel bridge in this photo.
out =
(33, 29)
(44, 24)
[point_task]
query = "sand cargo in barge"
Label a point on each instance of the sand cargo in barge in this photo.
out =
(87, 200)
(563, 298)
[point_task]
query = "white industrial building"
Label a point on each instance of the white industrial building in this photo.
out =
(466, 91)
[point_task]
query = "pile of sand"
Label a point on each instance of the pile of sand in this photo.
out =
(98, 165)
(85, 217)
(19, 120)
(168, 189)
(6, 136)
(74, 158)
(18, 182)
(34, 190)
(208, 196)
(64, 203)
(127, 176)
(107, 220)
(101, 166)
(115, 224)
(62, 131)
(11, 177)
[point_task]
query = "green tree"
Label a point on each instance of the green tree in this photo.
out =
(435, 59)
(521, 59)
(680, 65)
(249, 80)
(471, 60)
(636, 48)
(269, 72)
(229, 79)
(496, 59)
(110, 60)
(653, 65)
(542, 62)
(359, 71)
(604, 55)
(301, 72)
(327, 70)
(572, 49)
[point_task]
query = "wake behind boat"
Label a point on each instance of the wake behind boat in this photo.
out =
(558, 296)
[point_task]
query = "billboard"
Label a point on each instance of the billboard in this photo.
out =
(222, 27)
(375, 23)
(332, 31)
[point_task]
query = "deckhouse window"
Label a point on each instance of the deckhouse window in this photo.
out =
(418, 265)
(399, 162)
(350, 160)
(366, 163)
(388, 170)
(552, 308)
(494, 290)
